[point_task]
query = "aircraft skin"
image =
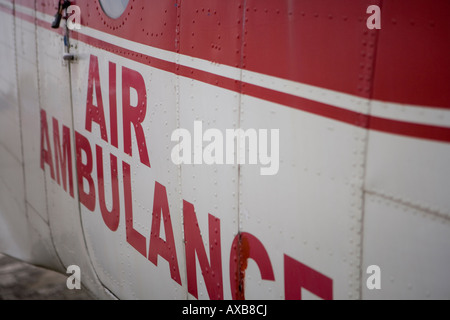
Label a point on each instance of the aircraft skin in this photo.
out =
(87, 170)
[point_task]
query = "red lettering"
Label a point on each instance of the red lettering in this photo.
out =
(113, 104)
(84, 171)
(64, 158)
(134, 238)
(246, 246)
(134, 114)
(111, 218)
(95, 113)
(297, 276)
(158, 246)
(46, 154)
(212, 273)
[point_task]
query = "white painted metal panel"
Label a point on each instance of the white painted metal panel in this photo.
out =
(27, 82)
(12, 190)
(414, 260)
(9, 121)
(411, 171)
(13, 224)
(63, 210)
(42, 251)
(211, 188)
(343, 197)
(315, 207)
(406, 218)
(118, 264)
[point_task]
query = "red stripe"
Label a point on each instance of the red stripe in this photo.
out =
(323, 43)
(172, 67)
(210, 78)
(299, 103)
(310, 106)
(6, 9)
(409, 129)
(34, 20)
(343, 115)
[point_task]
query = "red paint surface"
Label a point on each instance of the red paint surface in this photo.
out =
(212, 269)
(133, 116)
(134, 238)
(63, 158)
(325, 44)
(110, 217)
(113, 104)
(46, 149)
(164, 248)
(298, 275)
(84, 171)
(95, 113)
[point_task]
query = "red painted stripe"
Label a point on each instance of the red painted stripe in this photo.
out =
(32, 19)
(409, 129)
(310, 106)
(299, 103)
(210, 78)
(322, 43)
(6, 9)
(347, 116)
(28, 18)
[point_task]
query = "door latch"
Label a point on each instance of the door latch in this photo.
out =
(62, 5)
